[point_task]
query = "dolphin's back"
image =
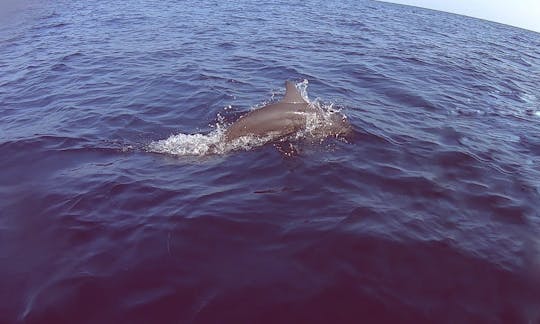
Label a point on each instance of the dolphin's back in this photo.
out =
(284, 118)
(279, 119)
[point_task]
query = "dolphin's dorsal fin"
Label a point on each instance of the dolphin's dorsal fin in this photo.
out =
(292, 95)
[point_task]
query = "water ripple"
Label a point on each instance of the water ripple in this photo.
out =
(427, 214)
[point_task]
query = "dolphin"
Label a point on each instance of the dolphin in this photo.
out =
(285, 118)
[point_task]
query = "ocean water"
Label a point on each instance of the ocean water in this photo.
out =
(112, 210)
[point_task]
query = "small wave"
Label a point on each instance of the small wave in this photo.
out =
(205, 144)
(187, 144)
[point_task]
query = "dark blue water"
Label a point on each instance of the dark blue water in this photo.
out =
(428, 214)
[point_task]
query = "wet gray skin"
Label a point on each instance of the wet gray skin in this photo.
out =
(283, 118)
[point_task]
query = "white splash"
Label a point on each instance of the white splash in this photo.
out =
(205, 144)
(302, 88)
(188, 144)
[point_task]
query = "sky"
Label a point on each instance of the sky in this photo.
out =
(520, 13)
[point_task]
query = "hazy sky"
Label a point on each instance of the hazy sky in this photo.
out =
(520, 13)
